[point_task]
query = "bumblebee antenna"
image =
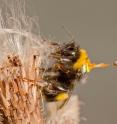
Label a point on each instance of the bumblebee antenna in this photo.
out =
(68, 33)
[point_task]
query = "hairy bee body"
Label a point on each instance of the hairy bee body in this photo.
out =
(70, 63)
(61, 76)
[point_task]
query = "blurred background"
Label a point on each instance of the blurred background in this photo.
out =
(93, 23)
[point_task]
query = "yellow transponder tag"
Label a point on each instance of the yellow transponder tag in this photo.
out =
(62, 96)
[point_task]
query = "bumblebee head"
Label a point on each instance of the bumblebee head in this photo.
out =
(83, 63)
(69, 51)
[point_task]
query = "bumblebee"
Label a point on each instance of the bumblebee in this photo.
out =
(71, 63)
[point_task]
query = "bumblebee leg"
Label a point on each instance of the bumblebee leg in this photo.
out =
(63, 104)
(63, 98)
(58, 66)
(65, 101)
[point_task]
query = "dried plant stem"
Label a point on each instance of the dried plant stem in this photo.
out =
(19, 96)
